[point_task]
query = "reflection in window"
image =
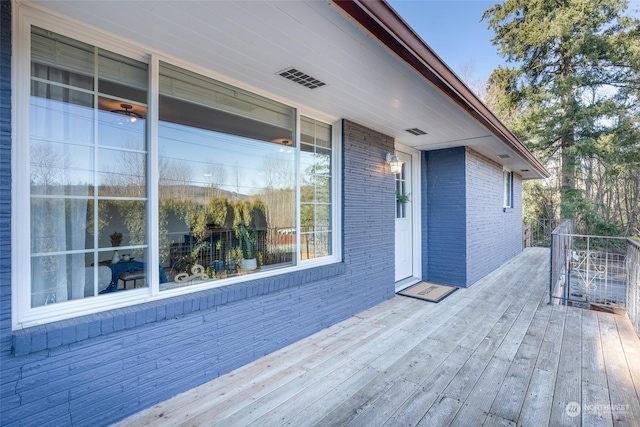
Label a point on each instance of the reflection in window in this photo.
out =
(315, 189)
(508, 189)
(401, 193)
(87, 168)
(227, 180)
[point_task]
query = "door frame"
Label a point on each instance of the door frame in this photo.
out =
(416, 214)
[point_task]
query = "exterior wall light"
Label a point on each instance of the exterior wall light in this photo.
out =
(395, 164)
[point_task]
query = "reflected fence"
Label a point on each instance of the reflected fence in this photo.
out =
(595, 272)
(220, 249)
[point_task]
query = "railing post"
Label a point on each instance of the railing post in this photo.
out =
(551, 272)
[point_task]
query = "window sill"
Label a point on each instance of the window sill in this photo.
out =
(66, 332)
(507, 210)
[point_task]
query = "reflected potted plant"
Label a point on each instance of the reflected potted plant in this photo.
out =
(248, 245)
(116, 240)
(217, 212)
(246, 230)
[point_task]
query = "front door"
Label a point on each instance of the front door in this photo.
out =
(404, 220)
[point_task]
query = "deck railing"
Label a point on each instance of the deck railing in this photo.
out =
(633, 283)
(559, 243)
(595, 271)
(537, 233)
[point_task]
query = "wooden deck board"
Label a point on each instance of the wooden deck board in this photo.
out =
(625, 407)
(494, 354)
(568, 379)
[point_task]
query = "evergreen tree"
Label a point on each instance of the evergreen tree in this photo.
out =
(573, 95)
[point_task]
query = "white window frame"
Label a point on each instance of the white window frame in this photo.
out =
(23, 315)
(507, 189)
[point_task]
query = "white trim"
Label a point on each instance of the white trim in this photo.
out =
(153, 221)
(23, 315)
(416, 205)
(405, 283)
(506, 205)
(336, 189)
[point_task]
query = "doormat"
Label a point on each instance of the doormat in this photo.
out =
(428, 291)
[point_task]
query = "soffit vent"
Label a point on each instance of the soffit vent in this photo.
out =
(301, 78)
(416, 131)
(504, 156)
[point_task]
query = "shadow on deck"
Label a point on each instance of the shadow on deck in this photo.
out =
(494, 354)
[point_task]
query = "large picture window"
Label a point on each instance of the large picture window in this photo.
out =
(245, 184)
(87, 167)
(227, 179)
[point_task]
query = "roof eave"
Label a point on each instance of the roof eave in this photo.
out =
(381, 21)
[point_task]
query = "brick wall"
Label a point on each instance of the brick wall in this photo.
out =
(7, 382)
(97, 369)
(494, 235)
(444, 236)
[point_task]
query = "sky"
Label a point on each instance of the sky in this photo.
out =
(454, 31)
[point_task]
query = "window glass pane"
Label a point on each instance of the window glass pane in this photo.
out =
(508, 190)
(59, 224)
(227, 180)
(122, 77)
(315, 188)
(57, 278)
(121, 173)
(127, 217)
(61, 114)
(60, 169)
(121, 124)
(59, 59)
(72, 231)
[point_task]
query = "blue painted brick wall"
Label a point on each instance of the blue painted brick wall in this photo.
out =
(98, 369)
(9, 377)
(493, 235)
(444, 237)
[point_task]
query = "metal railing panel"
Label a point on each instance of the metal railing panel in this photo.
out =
(560, 244)
(633, 284)
(595, 270)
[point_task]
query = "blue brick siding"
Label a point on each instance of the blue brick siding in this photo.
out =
(8, 378)
(444, 236)
(493, 236)
(98, 369)
(466, 233)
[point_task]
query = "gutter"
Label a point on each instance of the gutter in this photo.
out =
(383, 23)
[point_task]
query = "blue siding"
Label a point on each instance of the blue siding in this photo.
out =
(8, 377)
(494, 235)
(445, 234)
(98, 369)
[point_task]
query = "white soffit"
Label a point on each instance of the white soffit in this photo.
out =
(250, 42)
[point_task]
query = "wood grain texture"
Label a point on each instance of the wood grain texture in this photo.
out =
(495, 354)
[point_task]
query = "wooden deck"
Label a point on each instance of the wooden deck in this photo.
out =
(494, 354)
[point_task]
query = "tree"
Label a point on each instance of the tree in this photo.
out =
(574, 94)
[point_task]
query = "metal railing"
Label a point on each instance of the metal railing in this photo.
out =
(595, 271)
(633, 284)
(559, 243)
(537, 233)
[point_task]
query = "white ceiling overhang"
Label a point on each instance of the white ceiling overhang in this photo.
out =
(376, 70)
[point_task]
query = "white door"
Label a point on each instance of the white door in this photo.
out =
(404, 220)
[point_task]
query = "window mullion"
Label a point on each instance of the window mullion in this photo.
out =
(153, 210)
(298, 179)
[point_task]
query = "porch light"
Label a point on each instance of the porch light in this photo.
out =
(395, 164)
